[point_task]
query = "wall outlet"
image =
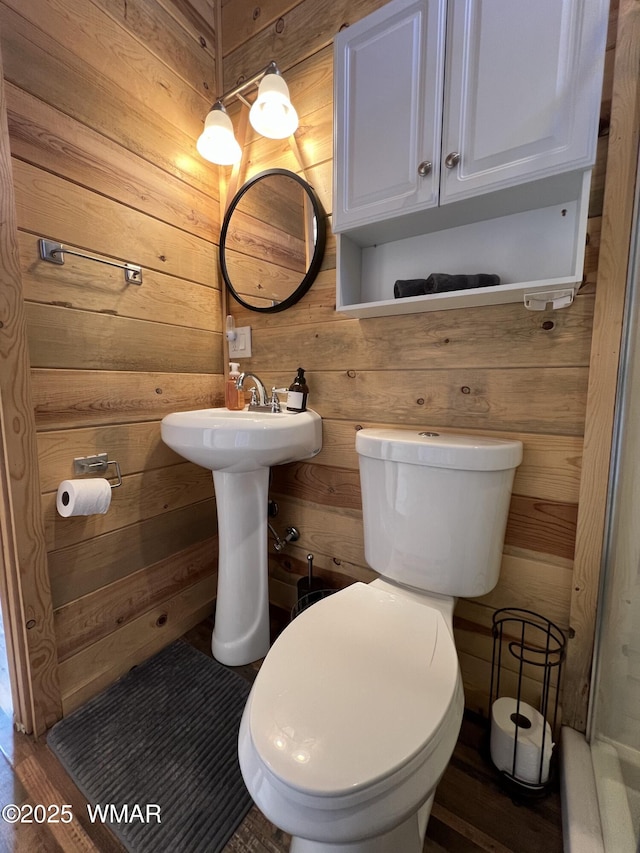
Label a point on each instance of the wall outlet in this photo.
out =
(241, 347)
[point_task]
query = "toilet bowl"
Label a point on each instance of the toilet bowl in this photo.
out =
(308, 767)
(356, 710)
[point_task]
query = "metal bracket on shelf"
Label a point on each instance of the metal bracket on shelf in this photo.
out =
(539, 300)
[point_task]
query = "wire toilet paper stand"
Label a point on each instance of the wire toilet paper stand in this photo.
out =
(522, 735)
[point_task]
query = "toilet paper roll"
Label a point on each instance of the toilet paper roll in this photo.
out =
(532, 726)
(83, 497)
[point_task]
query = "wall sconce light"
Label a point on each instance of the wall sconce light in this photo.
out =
(272, 115)
(217, 142)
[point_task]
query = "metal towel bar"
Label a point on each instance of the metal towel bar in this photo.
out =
(54, 253)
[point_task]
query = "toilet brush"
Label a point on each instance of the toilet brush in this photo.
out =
(309, 588)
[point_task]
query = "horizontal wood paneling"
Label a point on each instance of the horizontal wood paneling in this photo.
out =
(106, 48)
(319, 483)
(186, 46)
(94, 668)
(528, 583)
(443, 339)
(335, 532)
(106, 102)
(49, 206)
(542, 526)
(80, 569)
(293, 37)
(240, 22)
(336, 572)
(102, 289)
(137, 447)
(49, 68)
(90, 618)
(546, 400)
(58, 335)
(71, 398)
(45, 137)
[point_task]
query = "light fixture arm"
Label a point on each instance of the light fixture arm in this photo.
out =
(237, 91)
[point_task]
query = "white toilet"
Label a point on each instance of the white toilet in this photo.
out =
(356, 710)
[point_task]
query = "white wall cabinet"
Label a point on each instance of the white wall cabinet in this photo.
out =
(523, 91)
(388, 99)
(452, 114)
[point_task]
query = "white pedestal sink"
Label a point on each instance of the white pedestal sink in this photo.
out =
(240, 447)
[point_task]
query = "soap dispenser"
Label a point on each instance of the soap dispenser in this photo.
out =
(233, 399)
(298, 393)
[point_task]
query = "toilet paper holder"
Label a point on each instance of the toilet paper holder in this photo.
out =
(528, 649)
(97, 464)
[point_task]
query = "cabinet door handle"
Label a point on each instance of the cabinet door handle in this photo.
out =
(424, 168)
(452, 160)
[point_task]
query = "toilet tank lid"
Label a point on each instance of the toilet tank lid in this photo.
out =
(439, 449)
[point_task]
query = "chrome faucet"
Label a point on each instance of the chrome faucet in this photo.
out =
(261, 401)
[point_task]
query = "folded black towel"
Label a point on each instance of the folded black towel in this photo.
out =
(441, 282)
(410, 287)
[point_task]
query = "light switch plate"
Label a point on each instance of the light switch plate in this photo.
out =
(241, 347)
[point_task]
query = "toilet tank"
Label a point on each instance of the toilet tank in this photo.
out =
(435, 507)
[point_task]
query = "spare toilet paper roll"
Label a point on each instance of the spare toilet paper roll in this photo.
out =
(83, 497)
(505, 712)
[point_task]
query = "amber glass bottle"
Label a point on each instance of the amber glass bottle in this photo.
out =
(298, 393)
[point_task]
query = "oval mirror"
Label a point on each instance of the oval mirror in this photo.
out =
(272, 241)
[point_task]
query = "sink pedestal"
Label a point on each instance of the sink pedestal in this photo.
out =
(241, 631)
(240, 448)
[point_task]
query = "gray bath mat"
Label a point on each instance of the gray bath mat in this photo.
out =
(163, 738)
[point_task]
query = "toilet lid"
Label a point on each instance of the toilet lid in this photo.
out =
(354, 688)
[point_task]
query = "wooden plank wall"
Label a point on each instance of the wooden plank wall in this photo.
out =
(25, 594)
(501, 371)
(105, 101)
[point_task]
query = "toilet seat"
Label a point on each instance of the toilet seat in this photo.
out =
(382, 660)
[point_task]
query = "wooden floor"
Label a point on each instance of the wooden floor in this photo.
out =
(471, 812)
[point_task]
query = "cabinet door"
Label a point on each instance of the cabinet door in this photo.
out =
(388, 114)
(522, 91)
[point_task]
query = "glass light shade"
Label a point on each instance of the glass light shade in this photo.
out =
(217, 143)
(272, 113)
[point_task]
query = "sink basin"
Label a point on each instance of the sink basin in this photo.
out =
(222, 440)
(239, 448)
